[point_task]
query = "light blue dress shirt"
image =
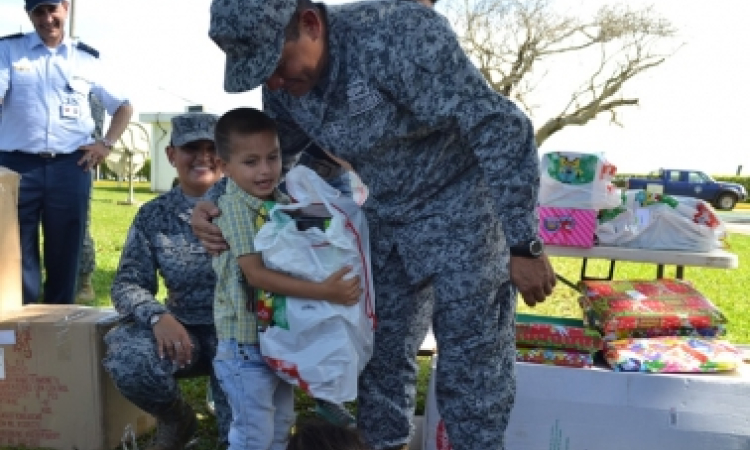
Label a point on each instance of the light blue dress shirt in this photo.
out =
(45, 92)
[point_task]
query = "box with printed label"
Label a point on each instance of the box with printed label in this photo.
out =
(597, 409)
(54, 392)
(10, 243)
(569, 227)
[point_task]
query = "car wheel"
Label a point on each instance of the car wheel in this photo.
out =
(726, 201)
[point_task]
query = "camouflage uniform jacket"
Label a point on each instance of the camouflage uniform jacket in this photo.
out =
(451, 165)
(160, 241)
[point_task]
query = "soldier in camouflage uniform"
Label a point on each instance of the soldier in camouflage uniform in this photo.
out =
(158, 343)
(453, 174)
(87, 262)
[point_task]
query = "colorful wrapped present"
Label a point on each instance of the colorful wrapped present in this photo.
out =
(555, 357)
(672, 354)
(634, 308)
(556, 332)
(706, 333)
(567, 226)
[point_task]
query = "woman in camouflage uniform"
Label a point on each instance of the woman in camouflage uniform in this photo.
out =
(158, 343)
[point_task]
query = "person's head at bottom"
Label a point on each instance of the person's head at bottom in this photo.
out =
(248, 147)
(192, 152)
(430, 3)
(320, 435)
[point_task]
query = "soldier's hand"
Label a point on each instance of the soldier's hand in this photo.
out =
(533, 277)
(208, 233)
(173, 341)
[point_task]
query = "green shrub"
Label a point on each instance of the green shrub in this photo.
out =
(745, 181)
(145, 173)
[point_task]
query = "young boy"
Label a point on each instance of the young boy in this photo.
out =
(262, 404)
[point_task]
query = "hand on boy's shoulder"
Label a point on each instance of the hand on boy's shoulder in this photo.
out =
(210, 235)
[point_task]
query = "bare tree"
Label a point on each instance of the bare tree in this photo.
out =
(510, 39)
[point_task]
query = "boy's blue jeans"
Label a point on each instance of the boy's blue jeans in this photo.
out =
(262, 404)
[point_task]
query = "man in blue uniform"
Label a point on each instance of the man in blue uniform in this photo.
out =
(45, 135)
(453, 174)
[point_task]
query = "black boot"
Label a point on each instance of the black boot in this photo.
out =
(175, 427)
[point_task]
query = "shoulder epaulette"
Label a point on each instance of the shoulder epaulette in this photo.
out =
(12, 36)
(90, 50)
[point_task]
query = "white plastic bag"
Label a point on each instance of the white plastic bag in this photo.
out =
(659, 222)
(321, 347)
(577, 180)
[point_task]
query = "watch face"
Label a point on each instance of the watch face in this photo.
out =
(536, 247)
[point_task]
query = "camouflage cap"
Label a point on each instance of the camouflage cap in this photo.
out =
(251, 33)
(193, 127)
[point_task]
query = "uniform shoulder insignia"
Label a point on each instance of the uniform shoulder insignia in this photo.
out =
(90, 50)
(12, 36)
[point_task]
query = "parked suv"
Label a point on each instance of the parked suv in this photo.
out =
(693, 183)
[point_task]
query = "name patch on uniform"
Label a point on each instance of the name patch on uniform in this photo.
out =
(334, 129)
(22, 66)
(79, 79)
(361, 97)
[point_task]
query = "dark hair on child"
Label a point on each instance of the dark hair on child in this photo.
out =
(319, 435)
(241, 121)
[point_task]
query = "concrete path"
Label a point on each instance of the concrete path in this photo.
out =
(737, 221)
(738, 228)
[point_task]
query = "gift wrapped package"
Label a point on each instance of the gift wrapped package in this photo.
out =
(644, 333)
(672, 355)
(554, 356)
(633, 308)
(570, 227)
(577, 180)
(556, 332)
(660, 222)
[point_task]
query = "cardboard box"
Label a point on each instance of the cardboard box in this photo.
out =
(54, 392)
(570, 227)
(10, 243)
(560, 408)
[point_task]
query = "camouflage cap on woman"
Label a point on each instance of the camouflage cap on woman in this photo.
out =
(193, 127)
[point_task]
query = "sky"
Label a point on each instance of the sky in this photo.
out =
(691, 112)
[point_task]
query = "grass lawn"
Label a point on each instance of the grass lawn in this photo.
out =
(110, 222)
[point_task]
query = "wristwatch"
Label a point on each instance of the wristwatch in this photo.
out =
(533, 248)
(155, 319)
(108, 143)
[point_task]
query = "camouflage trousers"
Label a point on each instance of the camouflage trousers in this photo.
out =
(473, 318)
(151, 382)
(87, 261)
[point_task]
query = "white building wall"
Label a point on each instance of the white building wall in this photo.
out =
(160, 128)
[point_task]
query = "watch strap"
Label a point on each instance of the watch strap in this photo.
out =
(533, 248)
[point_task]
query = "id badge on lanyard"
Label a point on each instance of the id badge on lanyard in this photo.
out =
(70, 109)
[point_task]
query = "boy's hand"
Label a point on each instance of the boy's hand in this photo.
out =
(208, 233)
(342, 292)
